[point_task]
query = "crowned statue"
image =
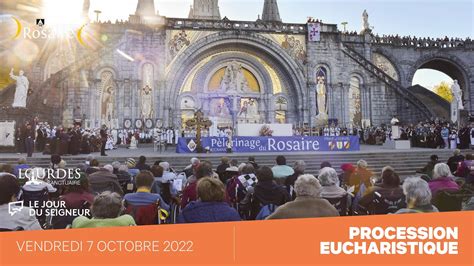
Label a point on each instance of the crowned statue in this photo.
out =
(21, 92)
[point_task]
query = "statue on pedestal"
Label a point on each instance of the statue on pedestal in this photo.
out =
(457, 95)
(21, 92)
(147, 103)
(365, 22)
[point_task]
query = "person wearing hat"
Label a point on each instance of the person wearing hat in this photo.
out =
(132, 167)
(347, 170)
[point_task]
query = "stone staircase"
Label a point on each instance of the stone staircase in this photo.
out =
(405, 163)
(438, 105)
(425, 111)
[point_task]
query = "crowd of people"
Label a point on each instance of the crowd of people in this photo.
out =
(34, 136)
(422, 42)
(138, 193)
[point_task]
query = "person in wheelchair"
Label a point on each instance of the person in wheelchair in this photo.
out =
(104, 180)
(9, 191)
(211, 205)
(76, 196)
(106, 211)
(330, 184)
(36, 182)
(417, 196)
(308, 203)
(385, 197)
(143, 196)
(442, 179)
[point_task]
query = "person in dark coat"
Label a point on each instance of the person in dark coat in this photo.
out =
(74, 145)
(211, 206)
(142, 165)
(19, 140)
(453, 161)
(266, 192)
(104, 179)
(30, 140)
(103, 138)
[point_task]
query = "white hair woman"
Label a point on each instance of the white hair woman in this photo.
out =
(330, 184)
(105, 210)
(307, 204)
(418, 196)
(442, 179)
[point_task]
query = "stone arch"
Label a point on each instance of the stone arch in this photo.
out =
(395, 63)
(251, 65)
(448, 64)
(263, 47)
(314, 69)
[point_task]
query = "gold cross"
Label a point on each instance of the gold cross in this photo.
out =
(199, 121)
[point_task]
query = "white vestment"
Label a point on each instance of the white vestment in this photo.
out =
(21, 91)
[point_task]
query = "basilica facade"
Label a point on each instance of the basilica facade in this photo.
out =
(156, 71)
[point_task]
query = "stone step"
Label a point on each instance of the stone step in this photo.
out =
(405, 163)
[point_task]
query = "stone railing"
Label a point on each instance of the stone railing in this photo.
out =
(381, 75)
(261, 26)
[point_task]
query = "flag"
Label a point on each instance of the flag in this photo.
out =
(314, 32)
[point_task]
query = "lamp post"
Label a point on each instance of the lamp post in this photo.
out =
(344, 24)
(97, 13)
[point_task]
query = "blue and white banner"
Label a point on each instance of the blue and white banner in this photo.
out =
(271, 144)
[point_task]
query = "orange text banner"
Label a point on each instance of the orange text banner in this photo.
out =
(283, 242)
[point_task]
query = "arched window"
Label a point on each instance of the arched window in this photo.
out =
(355, 105)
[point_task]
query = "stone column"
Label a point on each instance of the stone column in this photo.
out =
(345, 104)
(312, 109)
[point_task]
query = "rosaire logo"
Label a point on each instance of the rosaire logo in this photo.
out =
(43, 31)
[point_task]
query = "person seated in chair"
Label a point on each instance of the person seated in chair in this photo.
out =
(9, 190)
(281, 171)
(36, 181)
(266, 192)
(308, 203)
(417, 196)
(22, 165)
(105, 178)
(386, 197)
(106, 212)
(211, 206)
(143, 196)
(330, 184)
(77, 195)
(442, 179)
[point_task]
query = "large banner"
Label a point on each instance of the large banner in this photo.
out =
(271, 144)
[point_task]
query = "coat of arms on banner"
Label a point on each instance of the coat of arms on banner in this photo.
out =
(192, 145)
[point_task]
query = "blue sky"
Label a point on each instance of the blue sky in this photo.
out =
(425, 18)
(434, 18)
